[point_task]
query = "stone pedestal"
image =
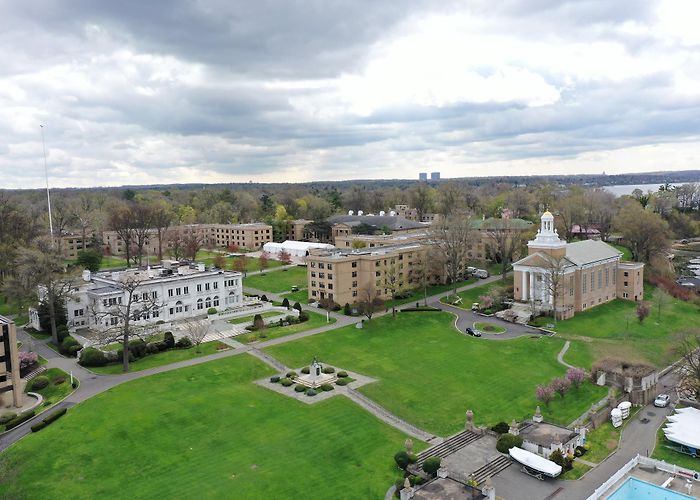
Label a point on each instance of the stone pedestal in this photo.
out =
(407, 491)
(469, 423)
(538, 415)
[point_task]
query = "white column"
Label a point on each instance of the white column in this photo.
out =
(532, 285)
(525, 286)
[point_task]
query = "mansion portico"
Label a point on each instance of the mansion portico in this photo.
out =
(583, 274)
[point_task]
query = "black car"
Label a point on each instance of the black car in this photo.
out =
(471, 332)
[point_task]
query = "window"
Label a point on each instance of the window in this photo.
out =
(354, 284)
(313, 264)
(584, 283)
(178, 291)
(625, 295)
(170, 292)
(321, 275)
(144, 296)
(199, 287)
(330, 286)
(216, 285)
(625, 274)
(200, 304)
(156, 313)
(322, 285)
(216, 300)
(207, 302)
(354, 264)
(354, 293)
(571, 286)
(313, 274)
(378, 273)
(178, 306)
(113, 321)
(330, 276)
(354, 274)
(600, 278)
(607, 277)
(206, 286)
(313, 283)
(321, 265)
(186, 290)
(313, 293)
(330, 267)
(625, 284)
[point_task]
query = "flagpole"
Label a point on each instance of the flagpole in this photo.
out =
(48, 193)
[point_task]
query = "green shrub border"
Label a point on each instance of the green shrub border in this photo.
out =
(48, 420)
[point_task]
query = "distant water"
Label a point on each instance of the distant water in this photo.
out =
(622, 189)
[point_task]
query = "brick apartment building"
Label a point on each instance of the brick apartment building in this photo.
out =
(70, 244)
(10, 382)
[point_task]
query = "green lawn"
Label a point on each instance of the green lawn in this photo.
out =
(249, 319)
(205, 432)
(162, 358)
(111, 261)
(580, 354)
(671, 456)
(578, 470)
(612, 329)
(472, 295)
(316, 320)
(626, 252)
(53, 393)
(278, 281)
(603, 441)
(491, 328)
(302, 296)
(430, 375)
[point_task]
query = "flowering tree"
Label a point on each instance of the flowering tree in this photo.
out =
(284, 257)
(485, 301)
(263, 261)
(220, 261)
(576, 376)
(27, 360)
(561, 385)
(642, 312)
(544, 393)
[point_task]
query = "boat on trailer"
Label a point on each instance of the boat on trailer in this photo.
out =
(535, 465)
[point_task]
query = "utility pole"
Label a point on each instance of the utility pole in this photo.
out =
(48, 193)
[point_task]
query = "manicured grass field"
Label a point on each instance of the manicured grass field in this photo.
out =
(316, 320)
(302, 296)
(430, 374)
(160, 359)
(492, 328)
(417, 295)
(249, 319)
(671, 456)
(626, 252)
(612, 329)
(53, 393)
(472, 295)
(578, 470)
(204, 432)
(603, 441)
(278, 281)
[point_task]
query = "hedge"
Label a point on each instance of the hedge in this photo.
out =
(326, 387)
(343, 381)
(508, 441)
(300, 388)
(21, 418)
(48, 420)
(40, 382)
(286, 382)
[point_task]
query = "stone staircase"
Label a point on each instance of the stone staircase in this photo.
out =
(492, 468)
(523, 312)
(449, 446)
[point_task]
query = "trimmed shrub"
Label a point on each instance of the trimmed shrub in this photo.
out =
(507, 441)
(274, 379)
(39, 426)
(73, 350)
(169, 340)
(431, 465)
(327, 387)
(183, 343)
(6, 417)
(21, 418)
(292, 374)
(152, 348)
(120, 356)
(67, 343)
(328, 369)
(305, 370)
(347, 310)
(258, 322)
(413, 458)
(51, 418)
(285, 302)
(311, 392)
(40, 382)
(300, 388)
(297, 306)
(59, 380)
(402, 460)
(414, 480)
(558, 458)
(137, 347)
(501, 428)
(286, 382)
(303, 316)
(212, 310)
(342, 374)
(343, 381)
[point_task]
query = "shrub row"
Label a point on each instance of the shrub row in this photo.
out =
(91, 356)
(51, 418)
(22, 417)
(343, 381)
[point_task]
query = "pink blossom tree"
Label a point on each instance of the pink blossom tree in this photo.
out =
(576, 376)
(485, 301)
(642, 312)
(27, 360)
(561, 385)
(544, 393)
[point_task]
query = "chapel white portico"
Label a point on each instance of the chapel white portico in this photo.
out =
(581, 274)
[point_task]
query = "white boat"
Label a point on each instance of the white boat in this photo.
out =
(534, 464)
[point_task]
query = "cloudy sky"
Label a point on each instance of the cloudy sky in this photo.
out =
(138, 92)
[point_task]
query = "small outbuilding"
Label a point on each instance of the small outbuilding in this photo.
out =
(294, 248)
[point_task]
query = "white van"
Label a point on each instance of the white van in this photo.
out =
(481, 273)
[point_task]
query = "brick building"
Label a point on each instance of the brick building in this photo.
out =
(10, 382)
(583, 274)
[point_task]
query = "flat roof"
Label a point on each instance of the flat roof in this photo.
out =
(546, 434)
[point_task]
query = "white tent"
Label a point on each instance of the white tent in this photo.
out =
(535, 462)
(684, 427)
(294, 248)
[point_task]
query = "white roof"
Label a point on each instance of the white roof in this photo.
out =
(296, 245)
(587, 251)
(535, 461)
(684, 427)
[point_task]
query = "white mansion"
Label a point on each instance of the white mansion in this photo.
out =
(169, 292)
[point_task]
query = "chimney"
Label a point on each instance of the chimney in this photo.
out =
(86, 275)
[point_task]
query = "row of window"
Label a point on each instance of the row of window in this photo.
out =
(323, 275)
(322, 265)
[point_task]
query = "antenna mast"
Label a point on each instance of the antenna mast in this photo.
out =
(48, 193)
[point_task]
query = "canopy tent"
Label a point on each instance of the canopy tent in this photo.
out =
(684, 427)
(294, 248)
(535, 462)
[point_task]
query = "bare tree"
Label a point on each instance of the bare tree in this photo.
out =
(132, 306)
(121, 220)
(392, 282)
(161, 217)
(506, 240)
(422, 197)
(197, 330)
(421, 272)
(175, 243)
(451, 236)
(370, 301)
(143, 228)
(553, 282)
(689, 369)
(192, 243)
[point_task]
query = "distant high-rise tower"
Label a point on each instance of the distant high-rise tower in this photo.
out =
(434, 176)
(423, 176)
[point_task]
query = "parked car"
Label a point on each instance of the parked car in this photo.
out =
(475, 306)
(481, 273)
(662, 400)
(295, 288)
(473, 333)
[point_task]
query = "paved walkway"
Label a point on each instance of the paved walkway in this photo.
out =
(560, 356)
